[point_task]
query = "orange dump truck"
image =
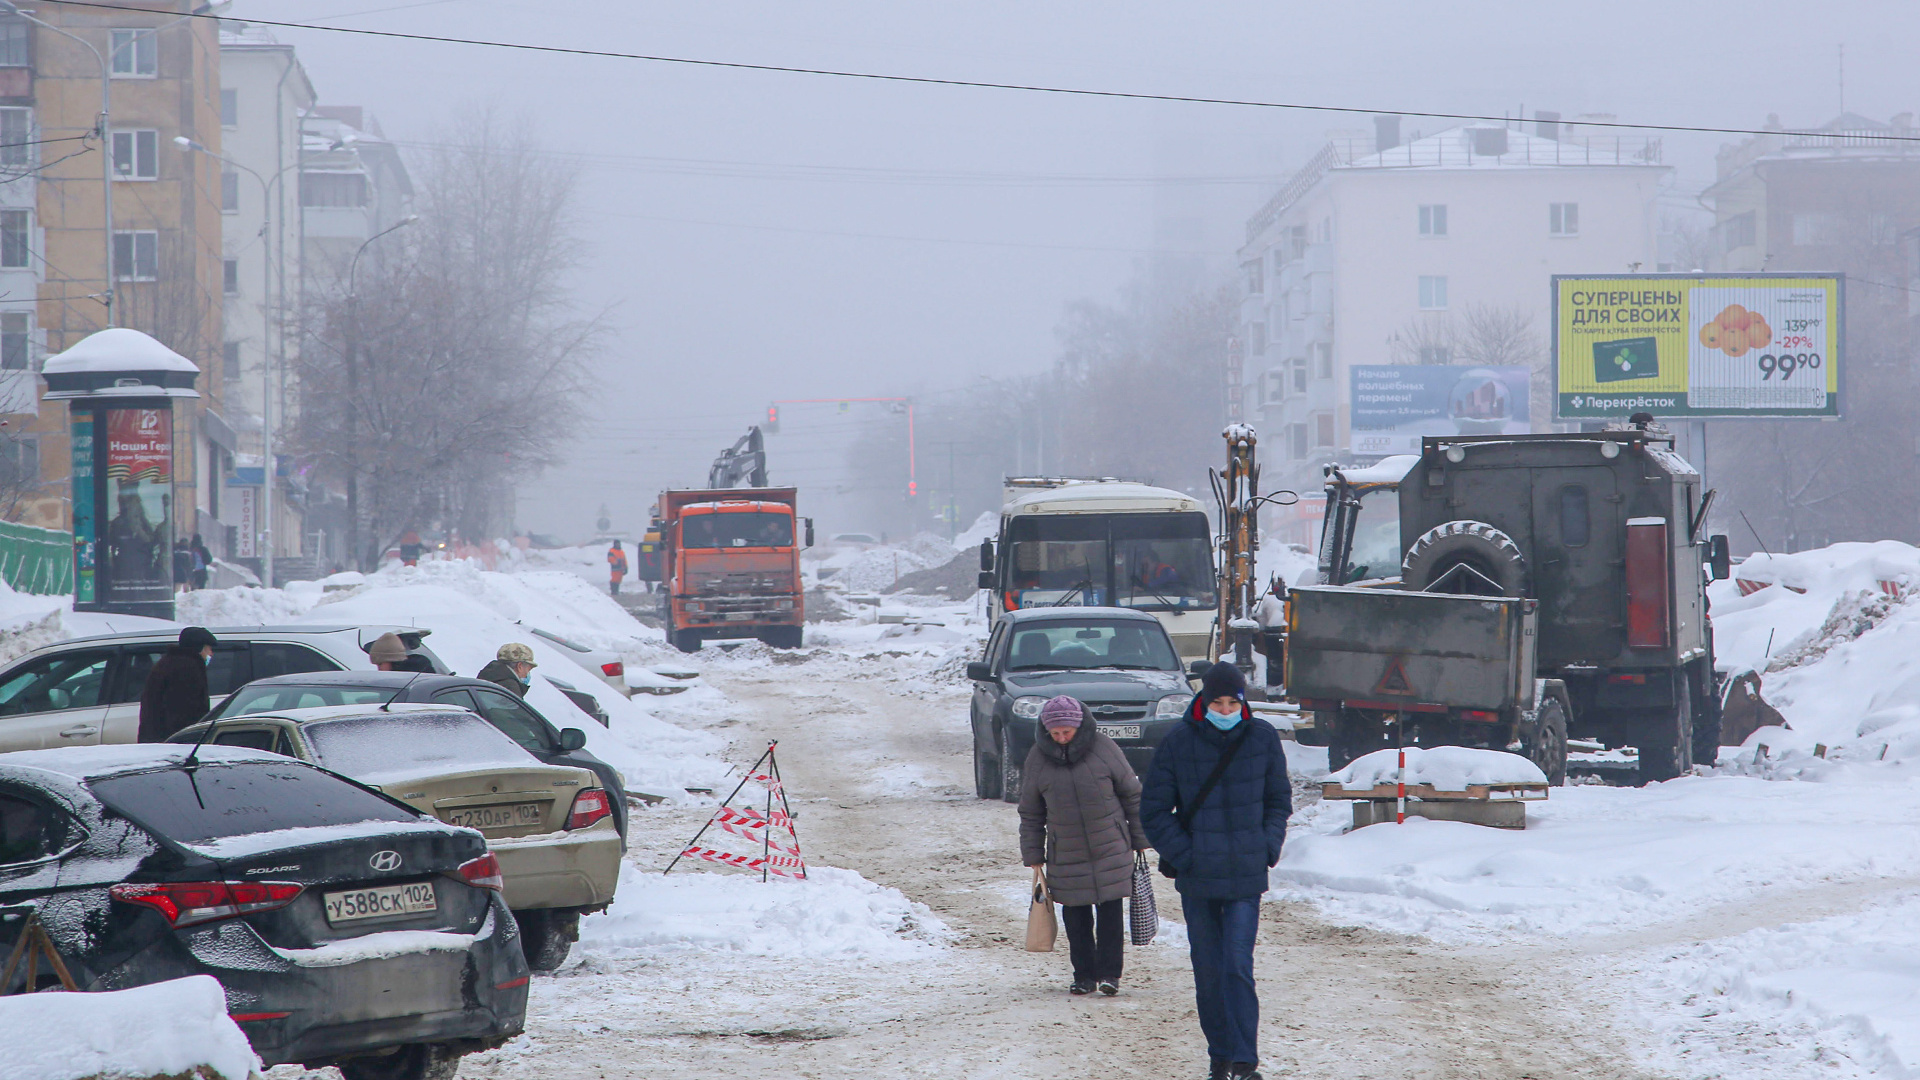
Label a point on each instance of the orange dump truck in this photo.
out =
(730, 565)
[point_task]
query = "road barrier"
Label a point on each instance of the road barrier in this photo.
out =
(34, 560)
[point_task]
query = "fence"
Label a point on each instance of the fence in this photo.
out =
(36, 560)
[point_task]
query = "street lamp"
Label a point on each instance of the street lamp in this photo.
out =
(353, 391)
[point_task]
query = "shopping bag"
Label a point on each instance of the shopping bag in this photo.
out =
(1041, 927)
(1142, 913)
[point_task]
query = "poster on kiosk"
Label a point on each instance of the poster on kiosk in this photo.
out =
(139, 505)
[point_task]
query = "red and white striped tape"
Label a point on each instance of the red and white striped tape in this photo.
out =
(772, 864)
(753, 819)
(758, 836)
(771, 783)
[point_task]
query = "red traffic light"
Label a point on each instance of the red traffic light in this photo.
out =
(773, 419)
(912, 489)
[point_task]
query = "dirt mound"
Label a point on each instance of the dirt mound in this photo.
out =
(958, 578)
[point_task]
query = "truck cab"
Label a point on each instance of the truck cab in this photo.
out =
(731, 566)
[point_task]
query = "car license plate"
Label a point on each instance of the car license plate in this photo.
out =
(379, 902)
(737, 616)
(1120, 731)
(495, 817)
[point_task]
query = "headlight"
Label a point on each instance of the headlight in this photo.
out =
(1171, 707)
(1028, 708)
(693, 608)
(783, 605)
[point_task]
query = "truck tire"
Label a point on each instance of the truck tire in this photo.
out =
(1477, 545)
(1009, 769)
(685, 640)
(1706, 712)
(1666, 742)
(986, 775)
(1544, 736)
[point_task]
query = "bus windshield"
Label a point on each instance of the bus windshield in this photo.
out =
(1147, 561)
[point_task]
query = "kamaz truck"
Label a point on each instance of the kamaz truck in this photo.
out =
(730, 565)
(1599, 533)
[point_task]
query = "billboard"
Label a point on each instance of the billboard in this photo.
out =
(1757, 345)
(139, 505)
(1391, 406)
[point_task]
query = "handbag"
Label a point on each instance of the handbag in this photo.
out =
(1206, 789)
(1042, 930)
(1143, 915)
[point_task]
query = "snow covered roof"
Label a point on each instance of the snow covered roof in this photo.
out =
(1388, 470)
(1088, 496)
(117, 349)
(1490, 146)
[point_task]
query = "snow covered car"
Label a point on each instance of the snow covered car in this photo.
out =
(86, 691)
(550, 825)
(605, 663)
(510, 713)
(347, 928)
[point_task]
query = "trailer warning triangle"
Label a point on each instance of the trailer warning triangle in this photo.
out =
(1394, 679)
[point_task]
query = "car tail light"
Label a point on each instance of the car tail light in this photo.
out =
(1482, 715)
(483, 872)
(1648, 595)
(588, 807)
(185, 903)
(614, 670)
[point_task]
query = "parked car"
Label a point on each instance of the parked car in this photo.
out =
(608, 665)
(520, 721)
(1120, 662)
(86, 691)
(347, 928)
(551, 825)
(582, 700)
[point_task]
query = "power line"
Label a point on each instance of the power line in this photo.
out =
(976, 84)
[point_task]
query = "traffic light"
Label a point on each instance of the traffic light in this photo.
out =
(912, 489)
(772, 425)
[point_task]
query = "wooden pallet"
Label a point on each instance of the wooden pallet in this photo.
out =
(1480, 792)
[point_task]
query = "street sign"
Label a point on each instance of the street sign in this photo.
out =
(1695, 346)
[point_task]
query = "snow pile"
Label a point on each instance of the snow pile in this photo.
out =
(1447, 768)
(167, 1029)
(984, 527)
(833, 915)
(1798, 596)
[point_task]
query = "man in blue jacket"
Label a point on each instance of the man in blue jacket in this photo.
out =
(1215, 807)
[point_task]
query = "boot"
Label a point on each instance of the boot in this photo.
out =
(1243, 1070)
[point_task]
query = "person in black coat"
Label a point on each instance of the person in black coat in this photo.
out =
(176, 690)
(1218, 851)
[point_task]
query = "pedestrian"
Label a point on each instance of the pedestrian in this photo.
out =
(182, 566)
(616, 567)
(410, 547)
(511, 667)
(388, 652)
(1080, 818)
(202, 562)
(1215, 805)
(176, 691)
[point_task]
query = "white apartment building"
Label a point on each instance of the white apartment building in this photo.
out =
(1374, 251)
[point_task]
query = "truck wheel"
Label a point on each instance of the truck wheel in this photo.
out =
(1706, 712)
(1545, 738)
(1441, 553)
(1009, 771)
(1666, 742)
(686, 640)
(986, 775)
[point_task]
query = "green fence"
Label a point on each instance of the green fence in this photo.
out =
(36, 560)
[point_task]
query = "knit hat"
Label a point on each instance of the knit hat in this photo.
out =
(1061, 712)
(387, 649)
(515, 653)
(197, 638)
(1223, 680)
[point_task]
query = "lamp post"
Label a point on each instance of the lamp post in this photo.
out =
(353, 391)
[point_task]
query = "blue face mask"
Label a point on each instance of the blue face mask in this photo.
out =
(1223, 721)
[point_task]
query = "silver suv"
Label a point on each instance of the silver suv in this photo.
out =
(87, 690)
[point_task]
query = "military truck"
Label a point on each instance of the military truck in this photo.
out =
(1601, 529)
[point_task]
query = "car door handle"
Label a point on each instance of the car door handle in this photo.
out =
(78, 731)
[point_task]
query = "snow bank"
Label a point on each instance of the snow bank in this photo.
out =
(984, 527)
(1447, 768)
(177, 1028)
(833, 915)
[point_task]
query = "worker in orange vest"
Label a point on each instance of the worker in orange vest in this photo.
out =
(616, 567)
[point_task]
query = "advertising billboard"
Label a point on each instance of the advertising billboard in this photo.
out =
(1391, 406)
(1693, 346)
(139, 505)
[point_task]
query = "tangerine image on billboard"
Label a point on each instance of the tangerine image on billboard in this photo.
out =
(1693, 346)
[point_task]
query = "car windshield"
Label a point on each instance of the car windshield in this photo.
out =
(367, 747)
(213, 800)
(1376, 537)
(280, 697)
(1091, 643)
(728, 530)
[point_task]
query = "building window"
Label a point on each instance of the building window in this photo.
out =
(16, 239)
(20, 460)
(136, 256)
(333, 189)
(230, 361)
(16, 340)
(229, 108)
(134, 54)
(1741, 230)
(1323, 361)
(1436, 354)
(1299, 364)
(1297, 242)
(13, 42)
(1297, 441)
(1563, 219)
(230, 276)
(1433, 220)
(1323, 429)
(1816, 230)
(136, 155)
(1273, 386)
(16, 137)
(1257, 338)
(1256, 283)
(1433, 293)
(229, 192)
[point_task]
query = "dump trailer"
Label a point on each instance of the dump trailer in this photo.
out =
(730, 565)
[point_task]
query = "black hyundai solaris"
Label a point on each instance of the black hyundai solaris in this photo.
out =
(346, 928)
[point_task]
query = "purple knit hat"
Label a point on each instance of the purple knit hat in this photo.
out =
(1061, 712)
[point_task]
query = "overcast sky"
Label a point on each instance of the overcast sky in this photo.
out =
(770, 235)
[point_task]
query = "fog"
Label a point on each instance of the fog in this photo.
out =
(757, 236)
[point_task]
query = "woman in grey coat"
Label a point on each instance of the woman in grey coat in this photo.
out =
(1080, 816)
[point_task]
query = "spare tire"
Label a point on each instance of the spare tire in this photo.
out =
(1441, 553)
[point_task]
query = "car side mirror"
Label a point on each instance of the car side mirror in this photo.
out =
(809, 532)
(986, 555)
(985, 579)
(1719, 559)
(572, 739)
(979, 671)
(1199, 668)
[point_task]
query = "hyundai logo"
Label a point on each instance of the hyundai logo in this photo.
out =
(384, 861)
